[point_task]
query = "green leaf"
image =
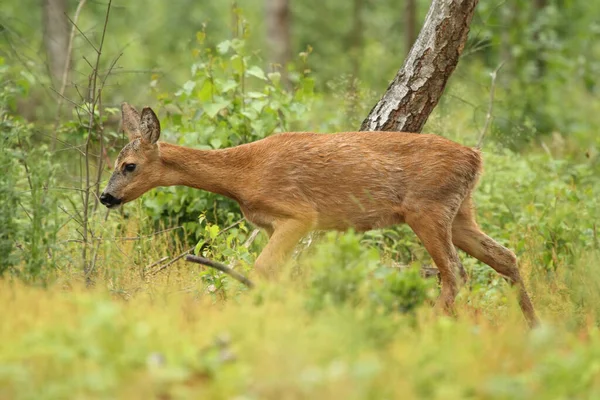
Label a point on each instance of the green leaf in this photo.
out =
(249, 113)
(256, 95)
(224, 46)
(238, 63)
(205, 94)
(213, 109)
(228, 85)
(213, 231)
(188, 87)
(257, 72)
(274, 77)
(216, 143)
(258, 105)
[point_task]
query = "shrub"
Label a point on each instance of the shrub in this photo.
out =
(229, 100)
(28, 215)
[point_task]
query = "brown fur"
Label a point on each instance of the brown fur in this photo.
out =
(292, 183)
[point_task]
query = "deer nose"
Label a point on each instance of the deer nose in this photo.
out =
(109, 200)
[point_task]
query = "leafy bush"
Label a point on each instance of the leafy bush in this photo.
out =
(28, 216)
(229, 244)
(345, 272)
(229, 100)
(403, 291)
(548, 80)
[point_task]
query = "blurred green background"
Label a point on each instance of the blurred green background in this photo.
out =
(99, 304)
(549, 50)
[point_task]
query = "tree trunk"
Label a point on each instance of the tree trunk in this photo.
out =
(538, 6)
(355, 45)
(355, 37)
(419, 84)
(410, 23)
(56, 37)
(278, 32)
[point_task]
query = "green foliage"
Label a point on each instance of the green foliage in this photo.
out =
(403, 291)
(344, 272)
(28, 215)
(544, 201)
(231, 245)
(229, 100)
(547, 82)
(339, 270)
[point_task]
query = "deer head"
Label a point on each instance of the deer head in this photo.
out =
(138, 166)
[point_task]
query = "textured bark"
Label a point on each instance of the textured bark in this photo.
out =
(278, 31)
(419, 84)
(56, 37)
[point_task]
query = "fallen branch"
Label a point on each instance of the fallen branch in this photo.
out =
(180, 256)
(221, 267)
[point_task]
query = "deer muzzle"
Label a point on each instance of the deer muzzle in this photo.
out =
(109, 200)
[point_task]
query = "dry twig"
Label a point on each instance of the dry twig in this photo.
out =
(489, 115)
(65, 74)
(188, 251)
(221, 267)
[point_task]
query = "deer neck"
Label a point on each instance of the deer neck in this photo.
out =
(216, 171)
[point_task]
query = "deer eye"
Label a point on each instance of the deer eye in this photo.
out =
(129, 167)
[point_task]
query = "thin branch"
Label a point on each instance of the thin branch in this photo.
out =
(110, 69)
(70, 215)
(489, 116)
(80, 31)
(154, 264)
(236, 223)
(63, 97)
(180, 256)
(221, 267)
(148, 236)
(99, 166)
(25, 209)
(130, 238)
(173, 261)
(24, 162)
(88, 62)
(95, 257)
(92, 86)
(65, 75)
(251, 238)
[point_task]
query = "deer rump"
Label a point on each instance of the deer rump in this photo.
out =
(360, 180)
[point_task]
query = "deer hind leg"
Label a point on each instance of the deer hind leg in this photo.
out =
(468, 237)
(283, 237)
(434, 229)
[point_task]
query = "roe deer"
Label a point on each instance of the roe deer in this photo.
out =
(292, 183)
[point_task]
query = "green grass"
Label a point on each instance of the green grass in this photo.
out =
(165, 342)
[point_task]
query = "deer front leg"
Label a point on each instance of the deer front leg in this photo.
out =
(284, 237)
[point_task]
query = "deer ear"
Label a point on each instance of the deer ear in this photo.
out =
(130, 121)
(149, 126)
